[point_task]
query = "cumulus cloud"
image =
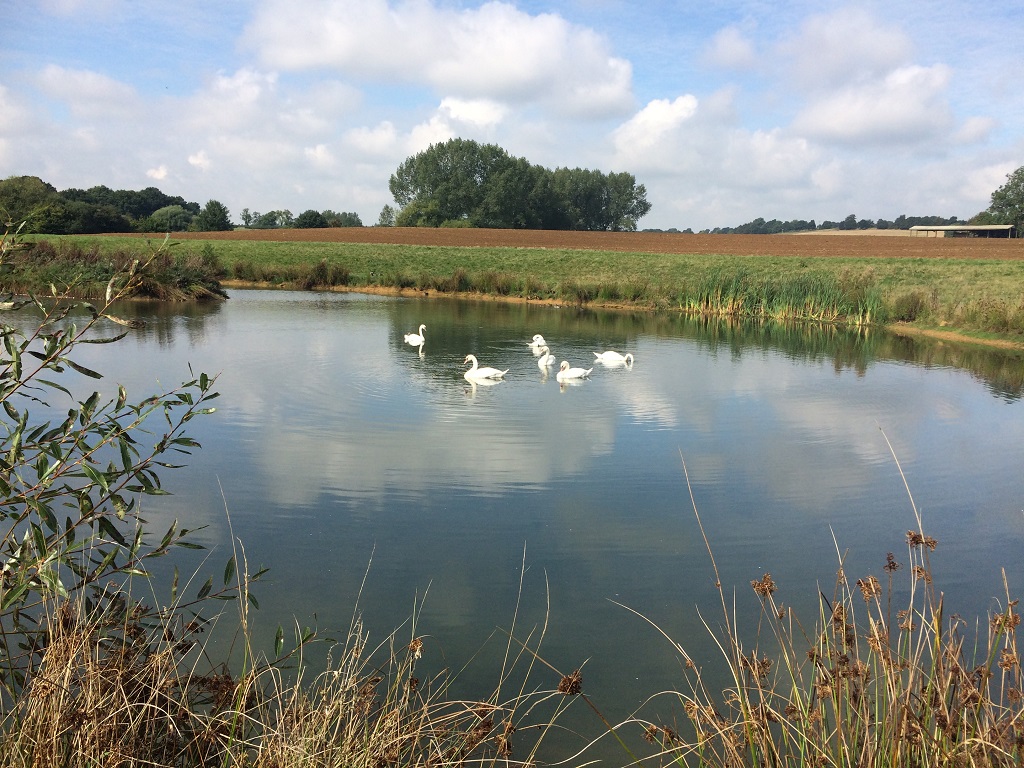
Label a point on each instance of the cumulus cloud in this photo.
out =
(200, 160)
(648, 128)
(849, 45)
(157, 174)
(730, 49)
(907, 104)
(378, 140)
(495, 51)
(483, 113)
(87, 94)
(320, 156)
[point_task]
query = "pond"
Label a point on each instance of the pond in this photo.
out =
(362, 470)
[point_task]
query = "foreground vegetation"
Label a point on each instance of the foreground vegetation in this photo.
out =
(98, 669)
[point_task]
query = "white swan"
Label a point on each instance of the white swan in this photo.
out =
(614, 358)
(416, 339)
(546, 358)
(565, 372)
(538, 341)
(481, 373)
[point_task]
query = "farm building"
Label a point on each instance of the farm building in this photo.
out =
(964, 230)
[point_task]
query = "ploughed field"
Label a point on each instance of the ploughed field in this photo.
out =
(807, 245)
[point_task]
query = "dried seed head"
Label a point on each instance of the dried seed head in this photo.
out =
(890, 563)
(916, 539)
(416, 648)
(764, 587)
(869, 588)
(571, 684)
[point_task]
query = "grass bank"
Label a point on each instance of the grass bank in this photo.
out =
(86, 269)
(979, 296)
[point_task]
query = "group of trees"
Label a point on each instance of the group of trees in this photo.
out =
(306, 220)
(464, 183)
(101, 209)
(1007, 206)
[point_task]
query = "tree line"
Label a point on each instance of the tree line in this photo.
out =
(458, 183)
(774, 227)
(97, 210)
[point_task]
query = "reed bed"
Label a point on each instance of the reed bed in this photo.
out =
(129, 691)
(884, 677)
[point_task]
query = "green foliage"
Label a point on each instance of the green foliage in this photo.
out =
(343, 219)
(1008, 201)
(462, 180)
(172, 273)
(310, 220)
(214, 217)
(170, 218)
(74, 471)
(387, 217)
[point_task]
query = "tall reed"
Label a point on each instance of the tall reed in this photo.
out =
(883, 678)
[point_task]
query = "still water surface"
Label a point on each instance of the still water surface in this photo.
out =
(341, 453)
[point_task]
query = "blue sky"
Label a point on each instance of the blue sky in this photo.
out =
(725, 110)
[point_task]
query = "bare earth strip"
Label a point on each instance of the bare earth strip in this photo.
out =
(845, 245)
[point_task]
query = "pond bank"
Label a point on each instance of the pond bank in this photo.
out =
(900, 329)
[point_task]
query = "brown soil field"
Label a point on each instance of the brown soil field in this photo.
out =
(823, 245)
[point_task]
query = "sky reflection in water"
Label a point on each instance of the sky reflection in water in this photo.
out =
(336, 444)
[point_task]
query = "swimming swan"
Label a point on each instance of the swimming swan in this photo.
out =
(416, 339)
(546, 358)
(614, 358)
(481, 373)
(538, 341)
(565, 372)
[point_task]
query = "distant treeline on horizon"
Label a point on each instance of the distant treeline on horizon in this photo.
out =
(101, 210)
(774, 227)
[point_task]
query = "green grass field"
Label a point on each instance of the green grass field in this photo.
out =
(976, 296)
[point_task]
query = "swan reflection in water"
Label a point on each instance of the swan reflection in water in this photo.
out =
(545, 359)
(416, 339)
(612, 359)
(470, 391)
(481, 373)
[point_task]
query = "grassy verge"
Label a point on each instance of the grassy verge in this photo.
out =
(976, 296)
(85, 268)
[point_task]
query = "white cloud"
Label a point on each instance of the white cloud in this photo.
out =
(975, 130)
(379, 140)
(320, 156)
(434, 131)
(200, 160)
(907, 104)
(158, 174)
(731, 49)
(833, 50)
(648, 128)
(87, 94)
(494, 51)
(482, 113)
